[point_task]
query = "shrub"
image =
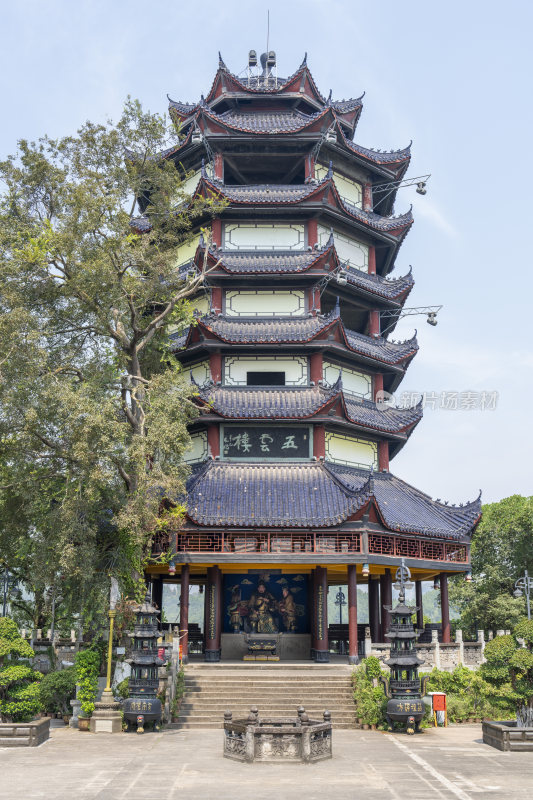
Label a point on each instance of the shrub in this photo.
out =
(87, 668)
(509, 668)
(56, 689)
(19, 683)
(370, 700)
(122, 689)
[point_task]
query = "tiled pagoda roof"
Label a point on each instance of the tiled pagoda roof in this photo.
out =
(280, 330)
(289, 194)
(267, 122)
(404, 508)
(300, 84)
(317, 495)
(292, 402)
(277, 263)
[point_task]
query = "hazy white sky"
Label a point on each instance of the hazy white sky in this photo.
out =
(454, 77)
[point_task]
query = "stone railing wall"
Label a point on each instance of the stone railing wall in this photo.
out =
(445, 656)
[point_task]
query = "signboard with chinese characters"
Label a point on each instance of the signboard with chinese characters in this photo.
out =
(262, 442)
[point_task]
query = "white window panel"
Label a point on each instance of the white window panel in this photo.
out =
(348, 249)
(201, 372)
(349, 190)
(198, 448)
(349, 450)
(353, 382)
(265, 304)
(264, 237)
(236, 369)
(186, 252)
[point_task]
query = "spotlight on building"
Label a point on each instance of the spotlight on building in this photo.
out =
(421, 187)
(172, 567)
(432, 318)
(436, 584)
(468, 576)
(271, 59)
(366, 570)
(342, 277)
(252, 58)
(197, 137)
(331, 136)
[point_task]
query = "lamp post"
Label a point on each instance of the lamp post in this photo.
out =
(340, 600)
(524, 586)
(106, 717)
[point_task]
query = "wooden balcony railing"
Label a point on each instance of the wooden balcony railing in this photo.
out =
(385, 545)
(308, 543)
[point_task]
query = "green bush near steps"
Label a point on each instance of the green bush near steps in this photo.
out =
(19, 682)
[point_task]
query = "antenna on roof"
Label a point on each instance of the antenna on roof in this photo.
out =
(268, 28)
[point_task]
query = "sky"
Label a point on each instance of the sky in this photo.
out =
(453, 77)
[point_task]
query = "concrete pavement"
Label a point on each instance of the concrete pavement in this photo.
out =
(176, 764)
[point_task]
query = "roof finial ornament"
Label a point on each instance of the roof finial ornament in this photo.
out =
(304, 62)
(204, 173)
(337, 310)
(221, 64)
(328, 101)
(330, 173)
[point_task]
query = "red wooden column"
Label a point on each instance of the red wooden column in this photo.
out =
(383, 456)
(213, 615)
(184, 613)
(316, 362)
(321, 610)
(353, 656)
(373, 607)
(420, 606)
(312, 233)
(445, 607)
(219, 167)
(385, 585)
(374, 324)
(312, 614)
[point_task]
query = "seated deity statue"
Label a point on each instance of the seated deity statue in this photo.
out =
(262, 605)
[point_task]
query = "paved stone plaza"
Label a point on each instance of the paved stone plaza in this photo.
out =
(444, 763)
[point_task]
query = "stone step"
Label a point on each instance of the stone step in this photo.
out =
(218, 726)
(311, 687)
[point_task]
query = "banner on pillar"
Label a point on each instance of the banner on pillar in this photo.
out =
(266, 603)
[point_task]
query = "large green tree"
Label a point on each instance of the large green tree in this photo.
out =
(502, 547)
(93, 408)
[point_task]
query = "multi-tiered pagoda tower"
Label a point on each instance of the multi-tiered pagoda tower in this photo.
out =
(290, 488)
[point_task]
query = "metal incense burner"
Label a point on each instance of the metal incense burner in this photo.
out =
(142, 705)
(403, 688)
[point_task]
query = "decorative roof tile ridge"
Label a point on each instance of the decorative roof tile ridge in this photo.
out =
(182, 108)
(344, 106)
(376, 221)
(380, 340)
(378, 156)
(387, 285)
(229, 191)
(306, 119)
(362, 495)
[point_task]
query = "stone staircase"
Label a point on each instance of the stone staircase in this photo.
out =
(276, 689)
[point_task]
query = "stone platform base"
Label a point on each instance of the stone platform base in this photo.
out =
(24, 734)
(106, 717)
(507, 737)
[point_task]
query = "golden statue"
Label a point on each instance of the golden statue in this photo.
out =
(287, 609)
(261, 605)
